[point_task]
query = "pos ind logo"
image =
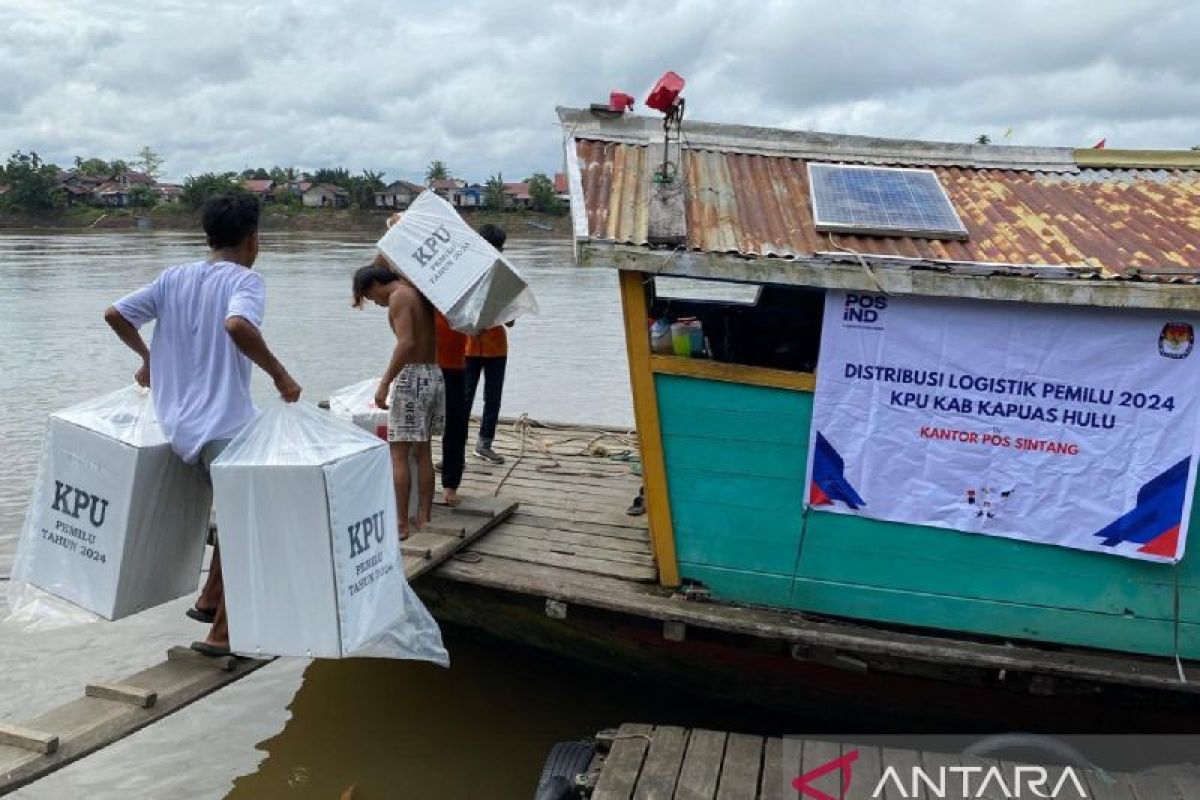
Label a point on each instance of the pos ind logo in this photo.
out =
(944, 783)
(866, 308)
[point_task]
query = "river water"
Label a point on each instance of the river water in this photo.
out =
(479, 729)
(566, 364)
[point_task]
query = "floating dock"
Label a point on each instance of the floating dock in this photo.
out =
(673, 763)
(109, 711)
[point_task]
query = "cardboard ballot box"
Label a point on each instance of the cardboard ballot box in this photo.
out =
(309, 544)
(117, 522)
(466, 278)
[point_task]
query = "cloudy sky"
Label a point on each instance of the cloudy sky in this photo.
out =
(390, 86)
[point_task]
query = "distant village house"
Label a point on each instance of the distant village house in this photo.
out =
(397, 195)
(326, 195)
(264, 190)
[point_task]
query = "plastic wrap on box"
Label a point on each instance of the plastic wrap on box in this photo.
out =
(467, 279)
(309, 543)
(356, 403)
(116, 522)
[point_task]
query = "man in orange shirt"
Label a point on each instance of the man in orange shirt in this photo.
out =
(487, 355)
(452, 358)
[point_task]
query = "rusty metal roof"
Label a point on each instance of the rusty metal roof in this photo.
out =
(753, 200)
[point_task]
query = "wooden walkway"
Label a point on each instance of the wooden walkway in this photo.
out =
(571, 514)
(111, 711)
(671, 763)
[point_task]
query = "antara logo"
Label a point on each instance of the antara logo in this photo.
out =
(1011, 782)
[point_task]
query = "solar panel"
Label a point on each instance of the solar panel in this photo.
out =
(882, 201)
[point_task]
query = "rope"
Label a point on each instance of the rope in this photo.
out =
(862, 261)
(522, 430)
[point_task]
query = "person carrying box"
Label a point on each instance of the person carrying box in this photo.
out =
(207, 314)
(412, 390)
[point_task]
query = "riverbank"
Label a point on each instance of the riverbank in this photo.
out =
(519, 224)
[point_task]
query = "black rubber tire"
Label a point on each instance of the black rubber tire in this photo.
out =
(566, 760)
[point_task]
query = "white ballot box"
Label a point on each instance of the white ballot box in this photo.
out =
(306, 515)
(117, 522)
(466, 278)
(356, 404)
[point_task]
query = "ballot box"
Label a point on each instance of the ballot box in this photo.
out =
(356, 403)
(117, 522)
(306, 515)
(467, 279)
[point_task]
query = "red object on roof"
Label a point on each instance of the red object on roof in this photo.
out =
(619, 101)
(1100, 144)
(665, 93)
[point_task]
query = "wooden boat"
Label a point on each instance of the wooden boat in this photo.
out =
(890, 617)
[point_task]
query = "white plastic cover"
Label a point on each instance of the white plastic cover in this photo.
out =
(467, 279)
(356, 403)
(306, 514)
(116, 522)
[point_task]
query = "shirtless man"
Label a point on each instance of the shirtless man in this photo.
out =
(411, 390)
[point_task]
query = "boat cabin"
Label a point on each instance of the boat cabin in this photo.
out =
(761, 417)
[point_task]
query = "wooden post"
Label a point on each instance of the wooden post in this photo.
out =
(645, 413)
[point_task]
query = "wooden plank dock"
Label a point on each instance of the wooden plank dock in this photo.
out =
(108, 711)
(664, 762)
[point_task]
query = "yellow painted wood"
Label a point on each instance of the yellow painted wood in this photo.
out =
(645, 413)
(733, 373)
(1144, 159)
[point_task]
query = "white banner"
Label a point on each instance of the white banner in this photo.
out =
(1073, 426)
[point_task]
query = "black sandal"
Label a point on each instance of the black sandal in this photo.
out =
(204, 648)
(207, 617)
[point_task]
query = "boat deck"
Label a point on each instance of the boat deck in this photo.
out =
(672, 762)
(571, 541)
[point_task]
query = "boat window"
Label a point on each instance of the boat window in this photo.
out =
(763, 326)
(693, 289)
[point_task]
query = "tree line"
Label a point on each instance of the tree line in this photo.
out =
(31, 185)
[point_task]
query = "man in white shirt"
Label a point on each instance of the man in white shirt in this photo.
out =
(208, 314)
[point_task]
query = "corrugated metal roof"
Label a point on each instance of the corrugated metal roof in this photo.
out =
(758, 205)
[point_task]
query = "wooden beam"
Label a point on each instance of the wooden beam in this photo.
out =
(122, 693)
(1137, 159)
(733, 373)
(645, 412)
(28, 739)
(822, 274)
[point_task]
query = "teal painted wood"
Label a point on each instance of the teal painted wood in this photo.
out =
(735, 458)
(742, 586)
(1061, 626)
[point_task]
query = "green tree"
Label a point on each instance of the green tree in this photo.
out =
(93, 167)
(118, 168)
(198, 188)
(283, 174)
(495, 197)
(142, 196)
(437, 171)
(338, 176)
(542, 195)
(258, 174)
(32, 184)
(362, 188)
(149, 162)
(983, 138)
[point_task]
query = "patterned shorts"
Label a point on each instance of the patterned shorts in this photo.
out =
(417, 407)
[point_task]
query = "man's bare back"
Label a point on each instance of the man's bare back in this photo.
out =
(412, 319)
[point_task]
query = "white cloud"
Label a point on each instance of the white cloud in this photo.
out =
(391, 86)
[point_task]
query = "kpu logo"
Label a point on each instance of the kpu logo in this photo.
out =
(1176, 340)
(865, 308)
(425, 253)
(362, 533)
(73, 502)
(1011, 782)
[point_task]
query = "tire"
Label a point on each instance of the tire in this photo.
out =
(566, 760)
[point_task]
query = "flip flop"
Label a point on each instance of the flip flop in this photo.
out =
(204, 648)
(207, 617)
